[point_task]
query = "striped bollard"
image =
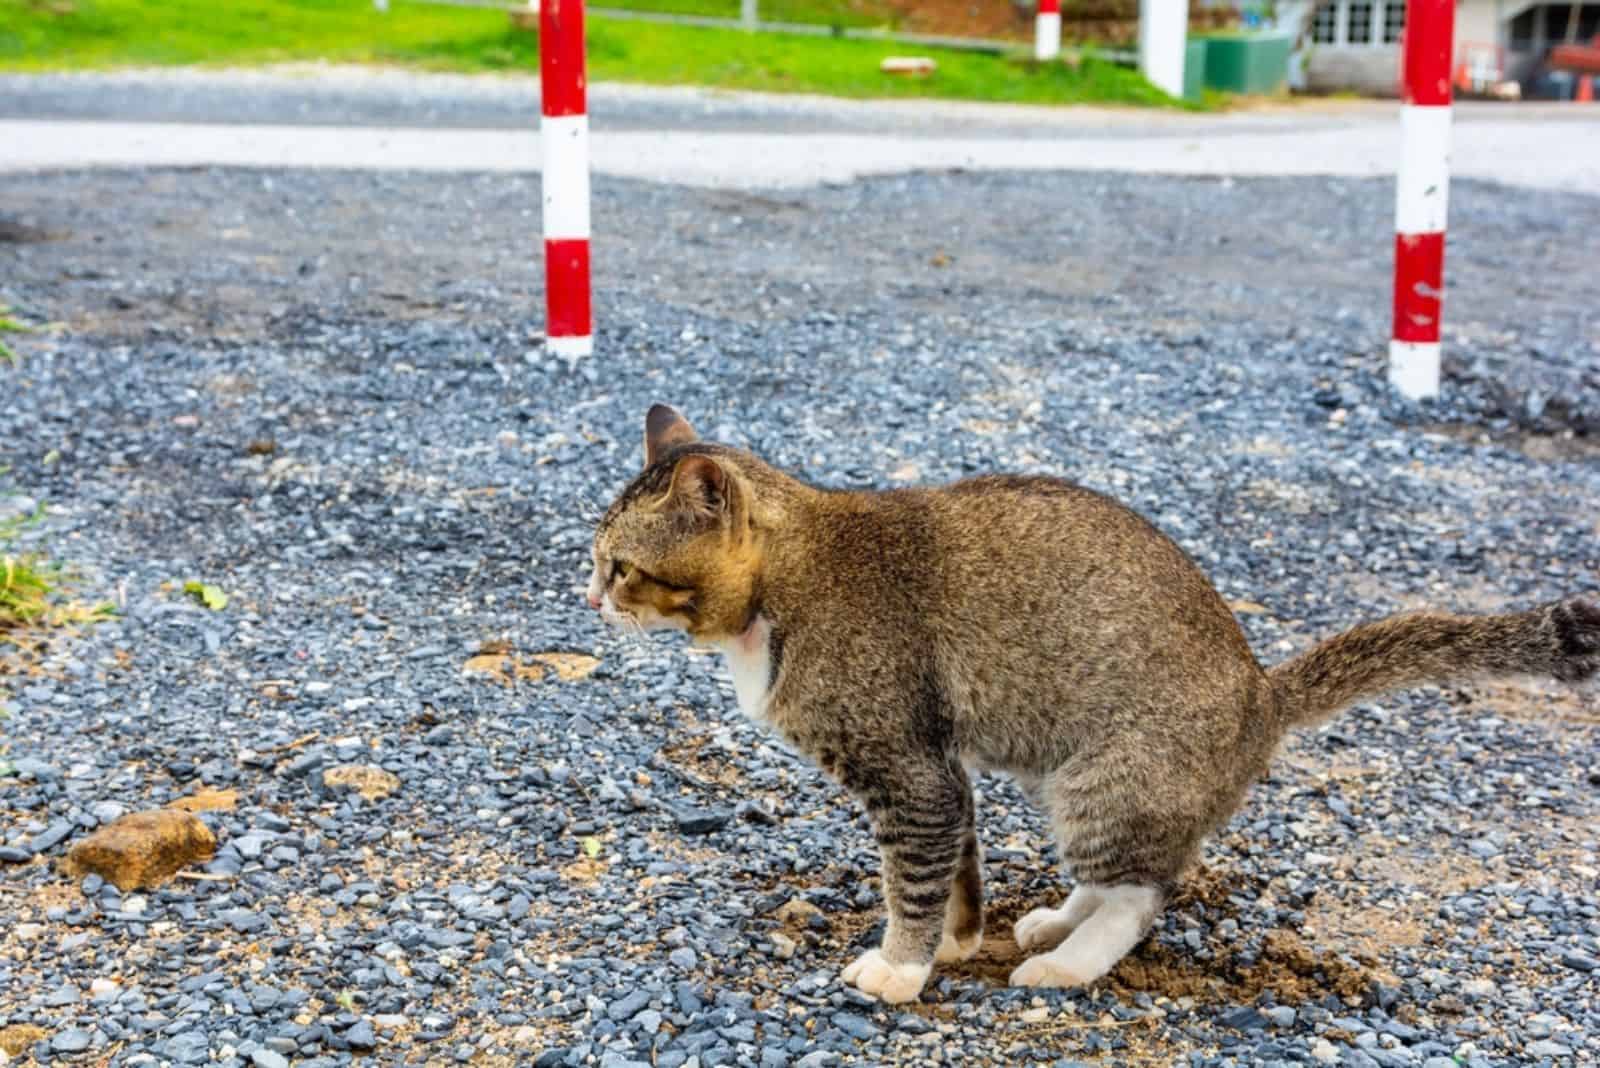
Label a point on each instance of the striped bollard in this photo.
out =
(564, 143)
(1047, 31)
(1422, 194)
(1163, 40)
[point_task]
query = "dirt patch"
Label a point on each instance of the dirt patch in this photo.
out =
(207, 800)
(999, 955)
(495, 660)
(1534, 702)
(673, 848)
(825, 926)
(1294, 971)
(714, 766)
(1468, 593)
(1286, 965)
(1545, 447)
(502, 668)
(368, 780)
(845, 928)
(585, 870)
(569, 667)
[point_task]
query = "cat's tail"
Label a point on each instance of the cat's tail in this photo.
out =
(1561, 639)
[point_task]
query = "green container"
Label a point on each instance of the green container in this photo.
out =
(1248, 63)
(1194, 68)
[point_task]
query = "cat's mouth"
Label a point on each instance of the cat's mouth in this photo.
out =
(620, 617)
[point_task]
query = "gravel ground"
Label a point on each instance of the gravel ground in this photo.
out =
(323, 393)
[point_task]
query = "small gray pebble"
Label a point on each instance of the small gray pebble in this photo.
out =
(72, 1040)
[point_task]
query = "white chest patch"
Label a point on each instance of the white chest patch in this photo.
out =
(750, 663)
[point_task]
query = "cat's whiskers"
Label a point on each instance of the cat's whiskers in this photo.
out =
(623, 620)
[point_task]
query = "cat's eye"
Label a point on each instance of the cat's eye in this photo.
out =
(619, 570)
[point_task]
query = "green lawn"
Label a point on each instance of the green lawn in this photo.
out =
(78, 34)
(824, 12)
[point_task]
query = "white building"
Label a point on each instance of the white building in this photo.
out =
(1355, 44)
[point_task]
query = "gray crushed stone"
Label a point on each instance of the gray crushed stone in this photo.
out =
(324, 394)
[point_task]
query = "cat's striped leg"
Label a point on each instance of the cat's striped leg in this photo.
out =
(921, 824)
(963, 916)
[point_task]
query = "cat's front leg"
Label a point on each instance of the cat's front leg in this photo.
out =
(963, 918)
(922, 821)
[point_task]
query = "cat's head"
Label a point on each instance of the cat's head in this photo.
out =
(676, 549)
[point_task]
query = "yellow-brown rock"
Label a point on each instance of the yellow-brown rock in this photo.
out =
(142, 849)
(368, 780)
(18, 1039)
(569, 667)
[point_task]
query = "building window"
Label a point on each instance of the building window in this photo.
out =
(1539, 27)
(1394, 21)
(1359, 23)
(1562, 26)
(1522, 30)
(1325, 24)
(1359, 28)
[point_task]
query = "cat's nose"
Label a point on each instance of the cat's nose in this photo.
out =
(594, 602)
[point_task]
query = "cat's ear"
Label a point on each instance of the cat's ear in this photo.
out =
(701, 486)
(664, 428)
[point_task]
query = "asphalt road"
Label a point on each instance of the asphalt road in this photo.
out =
(392, 120)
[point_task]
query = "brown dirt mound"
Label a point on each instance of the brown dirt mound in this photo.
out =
(1287, 966)
(1292, 970)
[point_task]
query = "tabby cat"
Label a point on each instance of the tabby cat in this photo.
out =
(904, 639)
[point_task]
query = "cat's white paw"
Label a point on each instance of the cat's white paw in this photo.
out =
(1046, 970)
(873, 973)
(953, 949)
(1042, 929)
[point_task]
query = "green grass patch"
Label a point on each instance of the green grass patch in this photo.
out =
(10, 324)
(27, 589)
(35, 602)
(84, 34)
(33, 590)
(818, 12)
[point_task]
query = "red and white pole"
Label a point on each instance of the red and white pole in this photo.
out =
(564, 143)
(1422, 194)
(1163, 41)
(1047, 30)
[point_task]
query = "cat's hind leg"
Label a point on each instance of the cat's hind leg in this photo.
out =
(1046, 928)
(1125, 843)
(1118, 918)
